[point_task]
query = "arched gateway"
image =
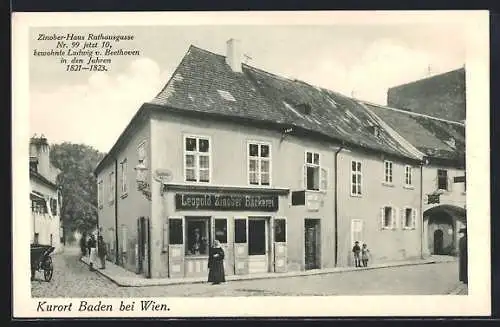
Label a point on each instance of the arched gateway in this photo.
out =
(442, 225)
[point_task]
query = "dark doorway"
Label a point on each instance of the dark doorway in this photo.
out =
(312, 243)
(143, 246)
(256, 237)
(438, 242)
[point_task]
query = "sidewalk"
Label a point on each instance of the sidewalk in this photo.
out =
(123, 277)
(460, 289)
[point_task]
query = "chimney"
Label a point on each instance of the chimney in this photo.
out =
(39, 148)
(233, 55)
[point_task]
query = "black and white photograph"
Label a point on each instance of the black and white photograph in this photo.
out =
(280, 159)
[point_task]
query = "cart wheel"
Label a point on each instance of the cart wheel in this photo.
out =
(48, 269)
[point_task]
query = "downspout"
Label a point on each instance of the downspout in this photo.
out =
(336, 205)
(422, 210)
(117, 252)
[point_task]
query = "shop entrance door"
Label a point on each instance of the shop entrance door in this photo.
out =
(258, 234)
(312, 244)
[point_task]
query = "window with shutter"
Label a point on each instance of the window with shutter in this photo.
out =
(388, 217)
(324, 179)
(395, 219)
(414, 218)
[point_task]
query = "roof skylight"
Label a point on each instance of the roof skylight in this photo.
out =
(226, 95)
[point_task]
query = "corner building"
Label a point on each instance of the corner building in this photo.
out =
(284, 174)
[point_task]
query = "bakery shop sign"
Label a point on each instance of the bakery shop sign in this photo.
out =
(236, 202)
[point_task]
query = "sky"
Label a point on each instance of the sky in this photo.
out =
(357, 60)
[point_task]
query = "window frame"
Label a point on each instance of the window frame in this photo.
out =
(274, 229)
(111, 189)
(196, 155)
(394, 218)
(259, 161)
(190, 219)
(413, 218)
(359, 173)
(322, 172)
(100, 193)
(245, 220)
(408, 173)
(391, 164)
(123, 178)
(227, 229)
(447, 181)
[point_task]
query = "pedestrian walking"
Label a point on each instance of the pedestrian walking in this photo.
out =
(216, 273)
(83, 245)
(101, 251)
(365, 254)
(462, 247)
(92, 245)
(356, 252)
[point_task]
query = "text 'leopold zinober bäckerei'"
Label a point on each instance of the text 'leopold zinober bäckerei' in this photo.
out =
(101, 306)
(226, 202)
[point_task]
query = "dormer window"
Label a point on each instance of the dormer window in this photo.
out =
(451, 142)
(226, 95)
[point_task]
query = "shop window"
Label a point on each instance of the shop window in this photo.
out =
(388, 172)
(356, 177)
(197, 236)
(175, 231)
(221, 230)
(259, 164)
(280, 230)
(442, 179)
(197, 159)
(240, 231)
(408, 176)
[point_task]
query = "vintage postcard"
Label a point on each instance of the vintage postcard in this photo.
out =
(251, 164)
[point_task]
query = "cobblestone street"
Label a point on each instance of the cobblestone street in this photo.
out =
(72, 278)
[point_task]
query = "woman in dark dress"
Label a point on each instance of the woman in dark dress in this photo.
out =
(216, 264)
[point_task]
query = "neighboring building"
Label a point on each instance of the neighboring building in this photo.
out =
(286, 175)
(45, 198)
(444, 186)
(441, 96)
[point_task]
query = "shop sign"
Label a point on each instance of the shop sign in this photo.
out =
(432, 198)
(236, 202)
(314, 201)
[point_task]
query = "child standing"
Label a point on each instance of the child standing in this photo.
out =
(356, 251)
(365, 253)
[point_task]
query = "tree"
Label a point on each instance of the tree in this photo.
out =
(78, 184)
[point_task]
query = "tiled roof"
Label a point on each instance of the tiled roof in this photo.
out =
(204, 83)
(430, 135)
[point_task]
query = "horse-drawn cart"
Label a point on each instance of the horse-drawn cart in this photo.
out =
(41, 261)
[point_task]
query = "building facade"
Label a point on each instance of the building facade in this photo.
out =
(442, 142)
(284, 174)
(45, 198)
